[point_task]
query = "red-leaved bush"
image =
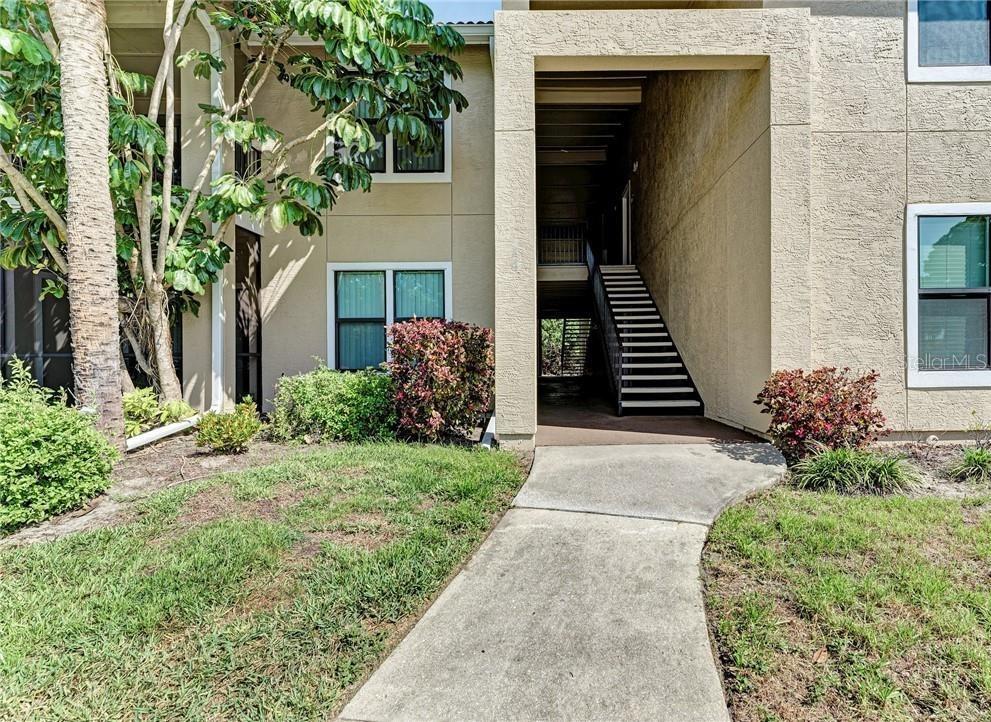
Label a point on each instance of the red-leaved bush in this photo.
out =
(826, 406)
(443, 374)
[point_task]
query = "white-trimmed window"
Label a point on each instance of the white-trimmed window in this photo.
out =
(949, 294)
(390, 162)
(364, 299)
(949, 41)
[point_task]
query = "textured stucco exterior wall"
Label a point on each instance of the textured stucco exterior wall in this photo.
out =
(879, 143)
(702, 206)
(395, 222)
(774, 40)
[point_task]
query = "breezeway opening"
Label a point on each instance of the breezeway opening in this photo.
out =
(653, 192)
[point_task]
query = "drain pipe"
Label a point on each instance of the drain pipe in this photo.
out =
(217, 316)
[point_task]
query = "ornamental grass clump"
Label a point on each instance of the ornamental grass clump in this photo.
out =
(443, 376)
(853, 471)
(824, 408)
(975, 466)
(52, 458)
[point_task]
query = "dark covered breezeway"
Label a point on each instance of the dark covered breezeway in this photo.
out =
(581, 412)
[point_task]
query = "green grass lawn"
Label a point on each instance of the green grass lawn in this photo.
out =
(264, 594)
(828, 607)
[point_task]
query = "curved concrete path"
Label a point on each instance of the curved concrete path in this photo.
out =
(585, 602)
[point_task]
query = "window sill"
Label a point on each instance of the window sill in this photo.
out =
(949, 379)
(411, 178)
(949, 74)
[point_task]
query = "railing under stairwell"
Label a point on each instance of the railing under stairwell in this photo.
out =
(561, 243)
(610, 333)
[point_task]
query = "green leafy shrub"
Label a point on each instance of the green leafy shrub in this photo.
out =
(172, 411)
(853, 471)
(229, 433)
(333, 406)
(975, 466)
(52, 458)
(142, 411)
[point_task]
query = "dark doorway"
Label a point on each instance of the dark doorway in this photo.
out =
(248, 342)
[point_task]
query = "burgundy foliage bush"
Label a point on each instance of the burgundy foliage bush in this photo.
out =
(443, 374)
(827, 406)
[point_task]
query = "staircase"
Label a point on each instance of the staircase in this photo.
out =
(574, 345)
(652, 378)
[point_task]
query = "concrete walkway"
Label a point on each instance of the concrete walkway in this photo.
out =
(585, 601)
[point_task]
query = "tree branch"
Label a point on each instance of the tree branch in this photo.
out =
(245, 100)
(168, 164)
(19, 180)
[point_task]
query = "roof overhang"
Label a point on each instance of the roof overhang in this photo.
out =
(473, 33)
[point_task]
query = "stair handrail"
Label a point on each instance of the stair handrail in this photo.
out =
(609, 330)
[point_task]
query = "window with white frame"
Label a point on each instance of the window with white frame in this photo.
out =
(949, 41)
(949, 294)
(366, 298)
(390, 162)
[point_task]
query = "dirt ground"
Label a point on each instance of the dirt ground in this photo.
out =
(933, 461)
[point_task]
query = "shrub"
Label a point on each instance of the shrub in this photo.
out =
(52, 458)
(334, 406)
(975, 466)
(229, 433)
(142, 411)
(172, 411)
(443, 375)
(847, 471)
(825, 407)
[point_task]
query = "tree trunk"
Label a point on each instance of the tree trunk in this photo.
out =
(91, 247)
(169, 388)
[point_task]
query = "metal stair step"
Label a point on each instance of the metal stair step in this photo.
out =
(655, 377)
(645, 343)
(658, 389)
(660, 404)
(674, 365)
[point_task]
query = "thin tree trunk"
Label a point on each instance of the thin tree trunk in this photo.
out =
(91, 246)
(169, 388)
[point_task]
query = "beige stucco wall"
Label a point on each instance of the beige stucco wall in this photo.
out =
(394, 222)
(774, 42)
(702, 227)
(878, 143)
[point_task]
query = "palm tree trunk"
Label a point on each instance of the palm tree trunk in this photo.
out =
(91, 247)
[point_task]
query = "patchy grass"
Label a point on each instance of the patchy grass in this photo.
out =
(850, 608)
(263, 594)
